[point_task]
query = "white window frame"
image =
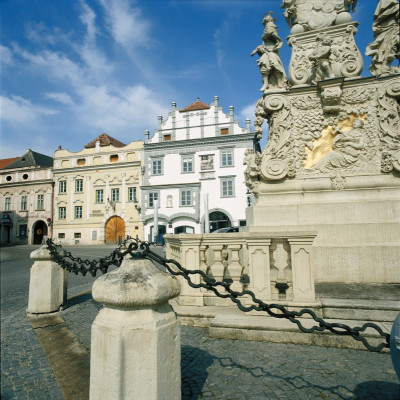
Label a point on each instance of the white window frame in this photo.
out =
(78, 212)
(227, 191)
(99, 196)
(227, 161)
(7, 204)
(62, 212)
(132, 194)
(40, 202)
(187, 161)
(78, 185)
(157, 167)
(24, 203)
(186, 198)
(152, 197)
(115, 195)
(62, 186)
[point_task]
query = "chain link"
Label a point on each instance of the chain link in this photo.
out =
(220, 289)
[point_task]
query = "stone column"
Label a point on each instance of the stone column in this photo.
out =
(235, 269)
(47, 285)
(302, 268)
(135, 348)
(259, 267)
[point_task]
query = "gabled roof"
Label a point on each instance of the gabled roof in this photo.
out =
(6, 161)
(31, 159)
(197, 105)
(105, 140)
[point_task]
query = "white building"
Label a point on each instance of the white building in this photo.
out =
(196, 151)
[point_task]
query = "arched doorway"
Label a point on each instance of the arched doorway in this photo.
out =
(218, 220)
(115, 230)
(39, 229)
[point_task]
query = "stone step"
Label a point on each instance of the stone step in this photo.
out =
(364, 310)
(283, 331)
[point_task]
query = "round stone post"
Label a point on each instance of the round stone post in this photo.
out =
(47, 285)
(135, 346)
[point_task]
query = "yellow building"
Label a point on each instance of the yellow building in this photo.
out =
(97, 192)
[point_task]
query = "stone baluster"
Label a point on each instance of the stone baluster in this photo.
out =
(47, 285)
(135, 347)
(235, 269)
(217, 269)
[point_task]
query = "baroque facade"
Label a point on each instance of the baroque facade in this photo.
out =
(26, 204)
(197, 151)
(97, 191)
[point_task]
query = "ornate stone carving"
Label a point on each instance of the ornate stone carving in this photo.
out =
(389, 123)
(252, 172)
(317, 55)
(386, 45)
(309, 15)
(270, 63)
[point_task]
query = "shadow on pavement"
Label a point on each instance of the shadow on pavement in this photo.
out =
(377, 390)
(194, 363)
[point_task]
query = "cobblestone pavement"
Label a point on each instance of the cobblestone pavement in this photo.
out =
(234, 369)
(211, 368)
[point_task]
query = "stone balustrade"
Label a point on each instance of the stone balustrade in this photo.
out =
(277, 267)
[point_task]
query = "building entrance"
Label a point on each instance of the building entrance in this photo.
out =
(218, 220)
(39, 229)
(115, 230)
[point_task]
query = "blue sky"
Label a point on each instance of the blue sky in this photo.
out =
(71, 70)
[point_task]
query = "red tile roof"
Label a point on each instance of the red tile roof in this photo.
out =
(105, 140)
(197, 105)
(6, 161)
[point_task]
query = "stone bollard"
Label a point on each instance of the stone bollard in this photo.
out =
(135, 346)
(47, 285)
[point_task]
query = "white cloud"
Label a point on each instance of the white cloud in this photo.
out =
(247, 112)
(127, 24)
(5, 55)
(62, 98)
(19, 111)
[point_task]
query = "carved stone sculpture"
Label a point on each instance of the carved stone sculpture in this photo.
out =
(270, 63)
(386, 45)
(347, 148)
(252, 172)
(310, 15)
(320, 57)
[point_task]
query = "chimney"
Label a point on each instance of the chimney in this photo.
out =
(97, 146)
(248, 125)
(216, 98)
(146, 135)
(231, 108)
(160, 118)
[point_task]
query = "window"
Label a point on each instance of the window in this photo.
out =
(7, 204)
(186, 198)
(114, 158)
(8, 178)
(167, 137)
(156, 167)
(62, 212)
(114, 194)
(227, 188)
(61, 235)
(226, 158)
(23, 230)
(24, 203)
(81, 161)
(40, 202)
(224, 131)
(77, 235)
(187, 164)
(152, 196)
(132, 194)
(25, 176)
(99, 196)
(62, 187)
(79, 185)
(78, 212)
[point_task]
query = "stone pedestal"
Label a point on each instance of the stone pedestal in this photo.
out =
(47, 285)
(135, 348)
